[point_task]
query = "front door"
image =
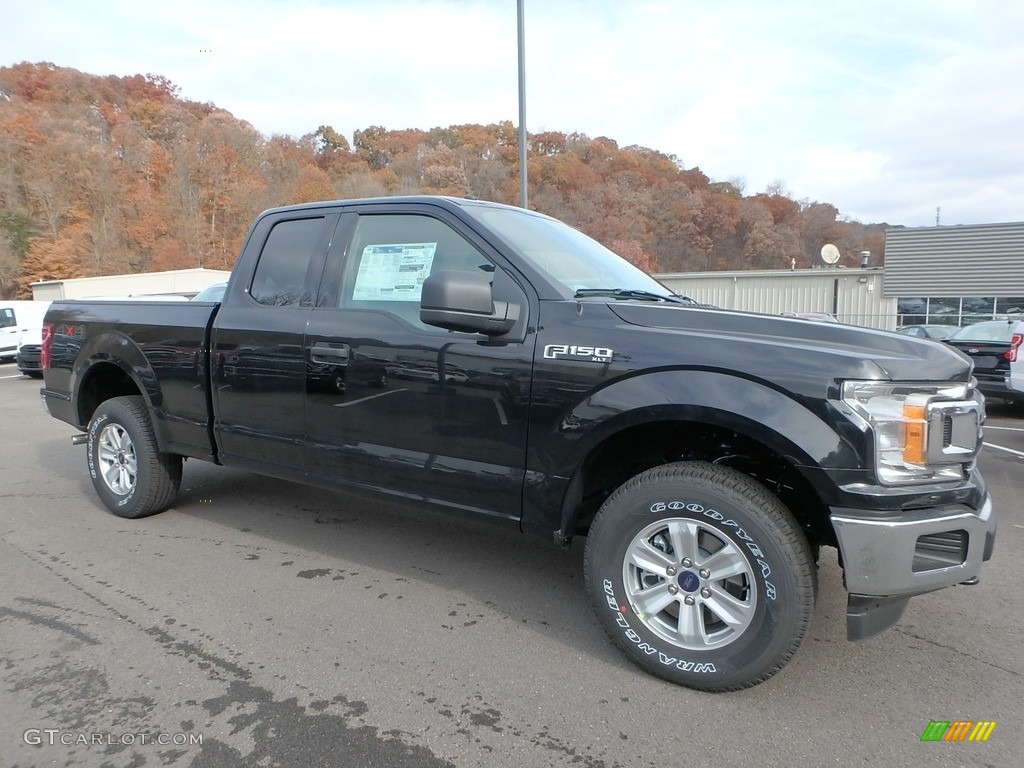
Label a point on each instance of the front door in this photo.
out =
(397, 406)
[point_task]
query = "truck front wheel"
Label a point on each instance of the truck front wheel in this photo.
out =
(701, 576)
(131, 476)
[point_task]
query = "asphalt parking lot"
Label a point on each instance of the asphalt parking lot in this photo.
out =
(281, 625)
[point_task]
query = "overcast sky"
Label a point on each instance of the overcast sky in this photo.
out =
(888, 110)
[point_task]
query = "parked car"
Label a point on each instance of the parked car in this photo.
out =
(17, 317)
(929, 331)
(214, 292)
(995, 348)
(30, 353)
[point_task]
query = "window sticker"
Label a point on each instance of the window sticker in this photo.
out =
(393, 272)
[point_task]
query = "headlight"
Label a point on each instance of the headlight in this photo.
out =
(923, 432)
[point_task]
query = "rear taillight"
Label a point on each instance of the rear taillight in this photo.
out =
(1015, 342)
(47, 338)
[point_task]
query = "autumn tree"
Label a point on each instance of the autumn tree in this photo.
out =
(64, 256)
(100, 175)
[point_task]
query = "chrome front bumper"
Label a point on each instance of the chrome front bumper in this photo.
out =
(888, 558)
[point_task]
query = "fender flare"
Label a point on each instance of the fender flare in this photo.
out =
(129, 358)
(767, 414)
(762, 411)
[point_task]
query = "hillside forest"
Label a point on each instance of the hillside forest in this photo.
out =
(110, 175)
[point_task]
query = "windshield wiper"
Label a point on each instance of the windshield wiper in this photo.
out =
(626, 293)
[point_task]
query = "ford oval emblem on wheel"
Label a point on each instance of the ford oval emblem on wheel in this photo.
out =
(688, 581)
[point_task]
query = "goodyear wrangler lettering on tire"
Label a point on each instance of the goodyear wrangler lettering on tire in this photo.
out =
(678, 561)
(90, 455)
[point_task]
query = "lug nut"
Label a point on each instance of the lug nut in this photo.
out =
(689, 600)
(705, 593)
(673, 589)
(704, 573)
(671, 570)
(687, 562)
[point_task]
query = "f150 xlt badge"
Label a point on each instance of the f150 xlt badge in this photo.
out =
(589, 354)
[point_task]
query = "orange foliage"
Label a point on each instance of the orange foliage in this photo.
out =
(120, 173)
(633, 252)
(57, 259)
(312, 184)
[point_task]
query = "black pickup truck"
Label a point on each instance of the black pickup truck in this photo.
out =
(488, 360)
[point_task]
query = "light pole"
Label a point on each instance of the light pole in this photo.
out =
(522, 108)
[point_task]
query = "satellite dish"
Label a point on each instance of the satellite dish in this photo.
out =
(829, 253)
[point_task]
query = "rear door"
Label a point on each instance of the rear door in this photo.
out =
(258, 364)
(400, 407)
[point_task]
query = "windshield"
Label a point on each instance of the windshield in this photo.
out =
(566, 255)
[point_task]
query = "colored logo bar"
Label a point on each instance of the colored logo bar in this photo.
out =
(958, 730)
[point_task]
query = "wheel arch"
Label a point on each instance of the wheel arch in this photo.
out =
(707, 416)
(102, 375)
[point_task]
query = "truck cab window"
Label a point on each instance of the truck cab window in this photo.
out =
(280, 276)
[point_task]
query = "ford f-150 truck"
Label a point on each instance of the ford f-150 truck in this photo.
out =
(488, 360)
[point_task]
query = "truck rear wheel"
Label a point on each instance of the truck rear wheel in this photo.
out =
(131, 476)
(701, 576)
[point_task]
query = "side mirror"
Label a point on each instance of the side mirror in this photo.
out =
(463, 301)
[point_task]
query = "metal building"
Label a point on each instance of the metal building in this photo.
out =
(854, 296)
(956, 275)
(177, 282)
(951, 275)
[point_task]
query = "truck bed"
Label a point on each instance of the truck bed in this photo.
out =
(163, 348)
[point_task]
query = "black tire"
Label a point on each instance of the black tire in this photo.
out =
(131, 476)
(708, 633)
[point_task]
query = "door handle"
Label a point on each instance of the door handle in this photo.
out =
(333, 352)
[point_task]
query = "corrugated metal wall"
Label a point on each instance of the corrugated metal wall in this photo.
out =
(855, 295)
(981, 260)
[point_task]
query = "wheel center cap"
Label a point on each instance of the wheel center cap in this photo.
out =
(688, 581)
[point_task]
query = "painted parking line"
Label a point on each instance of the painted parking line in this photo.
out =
(1001, 448)
(15, 376)
(1005, 429)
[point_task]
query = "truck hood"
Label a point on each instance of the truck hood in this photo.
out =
(762, 343)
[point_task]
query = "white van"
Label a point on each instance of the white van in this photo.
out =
(16, 317)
